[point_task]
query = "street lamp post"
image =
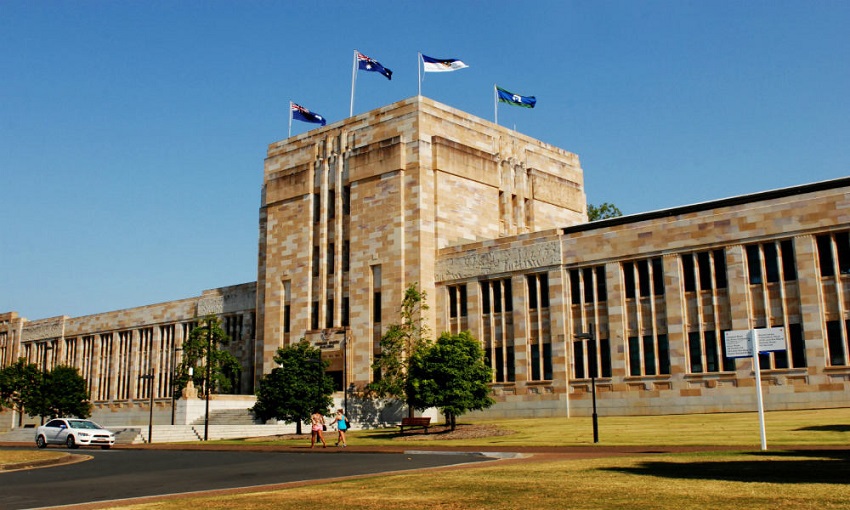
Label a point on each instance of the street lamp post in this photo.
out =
(174, 382)
(593, 368)
(208, 378)
(149, 377)
(345, 374)
(47, 347)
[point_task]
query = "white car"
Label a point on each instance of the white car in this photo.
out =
(73, 433)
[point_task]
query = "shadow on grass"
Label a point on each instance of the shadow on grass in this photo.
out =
(827, 428)
(826, 466)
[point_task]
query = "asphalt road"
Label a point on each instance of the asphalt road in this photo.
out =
(119, 474)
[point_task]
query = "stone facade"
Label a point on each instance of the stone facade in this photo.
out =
(492, 225)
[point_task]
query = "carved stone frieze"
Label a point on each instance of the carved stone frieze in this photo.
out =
(210, 305)
(43, 329)
(518, 258)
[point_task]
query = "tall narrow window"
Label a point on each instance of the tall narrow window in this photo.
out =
(601, 286)
(836, 344)
(532, 292)
(538, 291)
(587, 276)
(771, 262)
(629, 280)
(789, 263)
(720, 269)
(376, 294)
(842, 249)
(346, 200)
(329, 314)
(657, 276)
(689, 272)
(643, 277)
(314, 315)
(575, 286)
(824, 243)
(704, 263)
(754, 263)
(287, 306)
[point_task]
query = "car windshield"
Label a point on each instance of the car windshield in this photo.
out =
(83, 424)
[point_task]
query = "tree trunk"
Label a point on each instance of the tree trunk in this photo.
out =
(298, 427)
(453, 421)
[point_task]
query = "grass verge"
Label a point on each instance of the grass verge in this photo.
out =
(721, 481)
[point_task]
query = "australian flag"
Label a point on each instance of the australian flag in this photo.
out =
(305, 115)
(367, 64)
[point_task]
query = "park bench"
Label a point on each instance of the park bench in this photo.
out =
(421, 421)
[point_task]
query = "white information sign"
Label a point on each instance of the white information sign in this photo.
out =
(771, 339)
(739, 344)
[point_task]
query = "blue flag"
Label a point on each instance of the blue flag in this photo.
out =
(515, 99)
(367, 64)
(305, 115)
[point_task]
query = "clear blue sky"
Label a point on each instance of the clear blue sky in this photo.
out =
(132, 134)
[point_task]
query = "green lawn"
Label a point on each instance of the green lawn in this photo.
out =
(818, 427)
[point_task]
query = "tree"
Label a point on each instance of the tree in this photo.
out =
(20, 384)
(202, 347)
(60, 392)
(64, 393)
(297, 388)
(399, 344)
(602, 211)
(452, 376)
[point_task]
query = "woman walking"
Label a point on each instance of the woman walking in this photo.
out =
(341, 425)
(317, 426)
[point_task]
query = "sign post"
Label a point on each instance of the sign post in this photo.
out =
(749, 343)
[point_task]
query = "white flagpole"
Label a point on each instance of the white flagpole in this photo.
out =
(496, 104)
(419, 70)
(353, 80)
(759, 401)
(290, 120)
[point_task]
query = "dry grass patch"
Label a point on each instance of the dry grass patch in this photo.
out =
(10, 459)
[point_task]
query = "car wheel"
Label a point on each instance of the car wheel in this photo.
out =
(40, 442)
(105, 447)
(70, 443)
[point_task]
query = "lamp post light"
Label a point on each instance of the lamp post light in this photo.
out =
(174, 382)
(593, 368)
(149, 377)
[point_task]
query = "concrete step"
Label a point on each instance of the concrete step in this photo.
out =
(229, 417)
(189, 433)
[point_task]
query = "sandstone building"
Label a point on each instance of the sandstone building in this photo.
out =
(492, 225)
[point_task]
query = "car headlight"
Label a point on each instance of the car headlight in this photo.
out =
(84, 434)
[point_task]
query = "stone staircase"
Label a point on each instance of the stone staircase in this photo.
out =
(229, 417)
